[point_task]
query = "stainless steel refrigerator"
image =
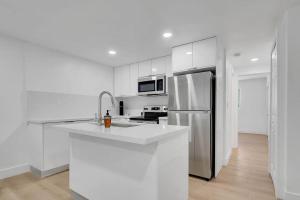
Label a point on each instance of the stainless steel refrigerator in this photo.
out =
(191, 102)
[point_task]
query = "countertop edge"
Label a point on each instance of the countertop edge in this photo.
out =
(119, 138)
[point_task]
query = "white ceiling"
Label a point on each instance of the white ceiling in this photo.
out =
(89, 28)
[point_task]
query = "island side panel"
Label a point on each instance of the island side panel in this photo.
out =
(172, 159)
(113, 170)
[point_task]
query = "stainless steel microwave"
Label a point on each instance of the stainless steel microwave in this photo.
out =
(152, 85)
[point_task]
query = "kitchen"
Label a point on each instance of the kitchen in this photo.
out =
(196, 93)
(91, 112)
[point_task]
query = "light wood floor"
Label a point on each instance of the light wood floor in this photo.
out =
(245, 177)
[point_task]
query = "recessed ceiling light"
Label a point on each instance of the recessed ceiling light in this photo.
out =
(167, 34)
(254, 59)
(189, 53)
(112, 52)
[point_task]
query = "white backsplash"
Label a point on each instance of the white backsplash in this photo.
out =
(48, 105)
(133, 106)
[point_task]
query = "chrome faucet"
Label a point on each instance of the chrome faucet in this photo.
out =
(113, 100)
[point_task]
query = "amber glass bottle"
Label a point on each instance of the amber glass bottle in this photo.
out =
(107, 120)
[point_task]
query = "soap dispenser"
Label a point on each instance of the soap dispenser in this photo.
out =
(107, 120)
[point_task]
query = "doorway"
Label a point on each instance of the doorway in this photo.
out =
(253, 106)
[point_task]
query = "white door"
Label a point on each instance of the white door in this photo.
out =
(145, 68)
(204, 53)
(182, 57)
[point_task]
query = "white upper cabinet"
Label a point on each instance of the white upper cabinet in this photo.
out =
(182, 57)
(134, 75)
(126, 77)
(168, 60)
(169, 72)
(117, 80)
(159, 66)
(122, 81)
(204, 53)
(197, 55)
(145, 68)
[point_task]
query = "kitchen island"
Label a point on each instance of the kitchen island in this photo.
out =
(128, 161)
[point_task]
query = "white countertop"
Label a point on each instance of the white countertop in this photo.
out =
(141, 134)
(53, 121)
(66, 120)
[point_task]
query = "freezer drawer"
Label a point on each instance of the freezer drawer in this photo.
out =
(200, 146)
(190, 91)
(182, 119)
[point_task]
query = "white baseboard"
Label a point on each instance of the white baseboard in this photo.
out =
(227, 158)
(253, 132)
(13, 171)
(291, 196)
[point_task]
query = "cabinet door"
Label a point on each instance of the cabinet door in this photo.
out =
(204, 53)
(182, 57)
(122, 81)
(134, 74)
(168, 60)
(118, 81)
(56, 148)
(159, 66)
(169, 72)
(145, 68)
(126, 80)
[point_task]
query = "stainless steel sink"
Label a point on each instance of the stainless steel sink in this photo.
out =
(116, 124)
(125, 125)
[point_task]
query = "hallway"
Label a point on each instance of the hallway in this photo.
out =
(245, 178)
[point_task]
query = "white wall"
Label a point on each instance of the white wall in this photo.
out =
(220, 108)
(31, 79)
(228, 134)
(253, 110)
(52, 71)
(63, 86)
(251, 70)
(50, 105)
(293, 104)
(12, 108)
(234, 114)
(286, 160)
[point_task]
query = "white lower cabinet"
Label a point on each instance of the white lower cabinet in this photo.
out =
(49, 149)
